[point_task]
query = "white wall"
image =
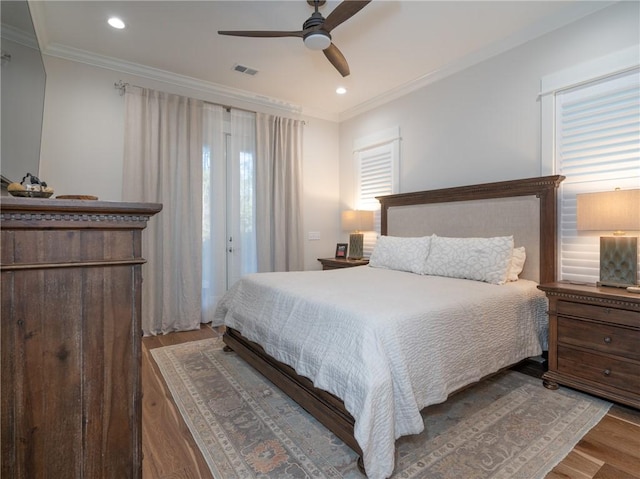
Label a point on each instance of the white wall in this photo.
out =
(83, 131)
(483, 123)
(83, 144)
(321, 190)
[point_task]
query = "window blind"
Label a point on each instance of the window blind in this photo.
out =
(598, 149)
(377, 173)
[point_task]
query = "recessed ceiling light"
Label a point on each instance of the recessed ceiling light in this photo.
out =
(341, 90)
(115, 22)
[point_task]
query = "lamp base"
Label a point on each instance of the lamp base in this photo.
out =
(356, 248)
(618, 261)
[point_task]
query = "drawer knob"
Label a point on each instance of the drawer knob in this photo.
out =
(607, 372)
(607, 339)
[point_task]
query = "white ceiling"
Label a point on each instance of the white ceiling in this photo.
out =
(391, 46)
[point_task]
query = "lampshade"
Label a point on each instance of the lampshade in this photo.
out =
(357, 220)
(618, 212)
(612, 211)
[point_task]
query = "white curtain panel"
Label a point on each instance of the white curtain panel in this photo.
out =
(279, 193)
(214, 237)
(163, 164)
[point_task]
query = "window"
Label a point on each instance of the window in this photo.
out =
(377, 158)
(596, 146)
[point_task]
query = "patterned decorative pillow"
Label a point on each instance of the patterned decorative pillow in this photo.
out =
(480, 259)
(400, 253)
(517, 263)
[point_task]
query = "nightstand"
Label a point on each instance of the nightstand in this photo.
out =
(594, 341)
(336, 263)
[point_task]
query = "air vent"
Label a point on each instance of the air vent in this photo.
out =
(244, 69)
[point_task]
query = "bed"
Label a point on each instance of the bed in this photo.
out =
(365, 364)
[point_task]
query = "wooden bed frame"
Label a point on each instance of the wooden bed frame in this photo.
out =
(330, 410)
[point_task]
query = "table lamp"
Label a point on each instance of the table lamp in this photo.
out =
(356, 221)
(618, 212)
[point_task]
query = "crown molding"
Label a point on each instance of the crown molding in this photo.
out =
(569, 15)
(109, 63)
(224, 92)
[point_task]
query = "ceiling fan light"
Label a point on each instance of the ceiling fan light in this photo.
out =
(317, 41)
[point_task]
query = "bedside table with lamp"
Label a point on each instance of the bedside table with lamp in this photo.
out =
(354, 222)
(594, 330)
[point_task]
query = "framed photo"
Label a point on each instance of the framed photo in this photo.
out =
(341, 251)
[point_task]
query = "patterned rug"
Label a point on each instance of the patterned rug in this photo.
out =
(508, 426)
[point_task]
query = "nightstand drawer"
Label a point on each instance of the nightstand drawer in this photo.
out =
(599, 313)
(600, 369)
(594, 340)
(601, 337)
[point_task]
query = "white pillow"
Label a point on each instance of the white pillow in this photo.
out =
(400, 253)
(517, 263)
(480, 259)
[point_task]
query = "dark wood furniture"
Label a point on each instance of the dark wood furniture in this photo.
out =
(594, 341)
(337, 263)
(71, 338)
(330, 410)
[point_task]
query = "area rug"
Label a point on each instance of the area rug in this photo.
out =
(508, 426)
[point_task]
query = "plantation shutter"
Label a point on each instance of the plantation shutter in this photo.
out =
(598, 149)
(376, 176)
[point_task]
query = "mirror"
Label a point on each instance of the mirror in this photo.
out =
(23, 86)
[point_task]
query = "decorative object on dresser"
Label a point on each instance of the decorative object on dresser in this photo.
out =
(77, 197)
(355, 222)
(618, 212)
(594, 338)
(71, 338)
(30, 187)
(336, 263)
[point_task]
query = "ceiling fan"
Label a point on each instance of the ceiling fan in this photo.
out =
(316, 31)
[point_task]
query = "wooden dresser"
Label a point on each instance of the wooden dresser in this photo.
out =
(594, 341)
(71, 338)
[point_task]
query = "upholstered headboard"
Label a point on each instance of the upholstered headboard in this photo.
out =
(524, 208)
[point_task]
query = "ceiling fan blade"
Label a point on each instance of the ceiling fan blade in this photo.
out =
(343, 12)
(261, 33)
(337, 59)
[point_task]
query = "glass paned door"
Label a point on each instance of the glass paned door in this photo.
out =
(229, 239)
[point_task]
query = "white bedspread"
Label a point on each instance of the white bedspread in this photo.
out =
(388, 343)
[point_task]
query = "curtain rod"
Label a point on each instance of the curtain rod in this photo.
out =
(122, 87)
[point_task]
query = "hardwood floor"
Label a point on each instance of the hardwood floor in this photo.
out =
(167, 445)
(611, 450)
